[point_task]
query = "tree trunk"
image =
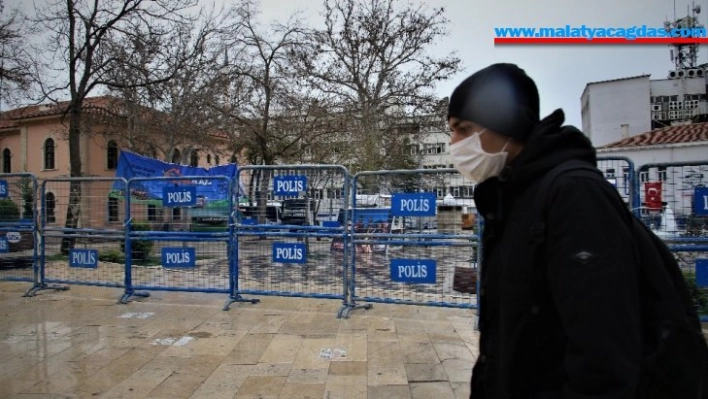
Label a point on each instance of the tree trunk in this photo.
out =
(73, 210)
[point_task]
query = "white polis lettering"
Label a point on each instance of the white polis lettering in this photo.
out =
(3, 188)
(289, 185)
(179, 197)
(415, 205)
(3, 245)
(705, 202)
(178, 257)
(83, 258)
(289, 253)
(412, 271)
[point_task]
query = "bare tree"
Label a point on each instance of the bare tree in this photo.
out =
(373, 54)
(176, 113)
(14, 59)
(77, 58)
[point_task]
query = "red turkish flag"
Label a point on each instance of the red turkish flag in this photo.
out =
(652, 195)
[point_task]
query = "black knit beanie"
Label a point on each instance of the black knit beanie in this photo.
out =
(500, 97)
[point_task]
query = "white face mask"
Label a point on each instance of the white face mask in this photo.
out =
(473, 162)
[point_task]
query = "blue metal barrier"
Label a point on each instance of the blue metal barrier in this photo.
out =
(290, 236)
(81, 232)
(410, 251)
(177, 237)
(18, 227)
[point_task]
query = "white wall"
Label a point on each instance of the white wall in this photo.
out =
(606, 106)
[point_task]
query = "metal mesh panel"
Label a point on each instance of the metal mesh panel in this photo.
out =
(290, 231)
(82, 232)
(18, 226)
(671, 200)
(411, 231)
(178, 234)
(621, 173)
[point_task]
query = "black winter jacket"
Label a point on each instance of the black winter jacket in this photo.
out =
(582, 335)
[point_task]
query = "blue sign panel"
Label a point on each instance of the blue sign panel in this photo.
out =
(84, 258)
(413, 271)
(3, 189)
(289, 252)
(700, 201)
(702, 272)
(4, 244)
(249, 222)
(289, 185)
(178, 257)
(413, 204)
(179, 196)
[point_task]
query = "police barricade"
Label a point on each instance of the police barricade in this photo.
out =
(290, 237)
(82, 230)
(673, 202)
(18, 227)
(620, 171)
(413, 234)
(178, 235)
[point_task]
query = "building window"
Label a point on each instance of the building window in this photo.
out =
(610, 173)
(643, 177)
(218, 160)
(6, 161)
(209, 159)
(112, 209)
(50, 205)
(176, 214)
(176, 156)
(111, 155)
(49, 154)
(662, 173)
(152, 213)
(233, 159)
(194, 158)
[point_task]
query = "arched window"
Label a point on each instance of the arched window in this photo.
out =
(176, 156)
(50, 206)
(6, 161)
(209, 159)
(194, 158)
(111, 155)
(233, 159)
(112, 209)
(49, 154)
(218, 160)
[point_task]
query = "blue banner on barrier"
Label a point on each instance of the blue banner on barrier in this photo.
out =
(4, 244)
(413, 204)
(3, 189)
(413, 271)
(179, 196)
(178, 257)
(289, 186)
(700, 201)
(131, 165)
(83, 258)
(289, 252)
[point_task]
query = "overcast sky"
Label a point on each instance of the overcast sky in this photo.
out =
(560, 71)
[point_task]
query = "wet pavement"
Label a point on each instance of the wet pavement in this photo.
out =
(82, 343)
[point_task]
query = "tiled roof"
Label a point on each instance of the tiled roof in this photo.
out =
(9, 119)
(681, 134)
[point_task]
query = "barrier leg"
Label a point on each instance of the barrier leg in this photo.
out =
(39, 281)
(235, 296)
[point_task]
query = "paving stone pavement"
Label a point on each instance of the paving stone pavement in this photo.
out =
(82, 343)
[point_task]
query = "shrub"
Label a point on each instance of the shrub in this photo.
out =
(139, 249)
(699, 294)
(112, 255)
(9, 211)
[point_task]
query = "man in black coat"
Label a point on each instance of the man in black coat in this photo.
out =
(570, 322)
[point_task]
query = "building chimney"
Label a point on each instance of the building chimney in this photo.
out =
(625, 131)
